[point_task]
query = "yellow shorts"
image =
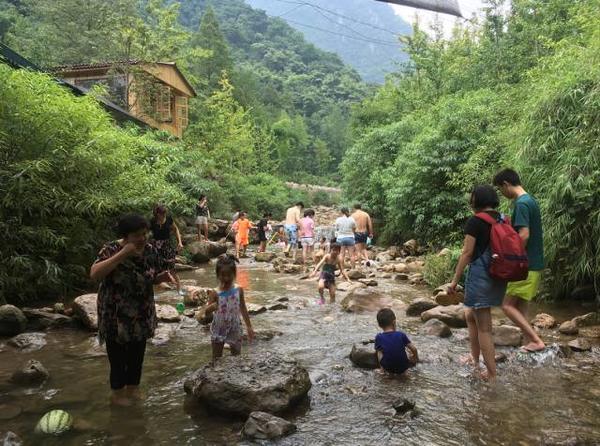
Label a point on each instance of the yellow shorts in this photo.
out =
(525, 289)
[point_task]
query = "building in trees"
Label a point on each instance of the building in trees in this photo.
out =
(156, 93)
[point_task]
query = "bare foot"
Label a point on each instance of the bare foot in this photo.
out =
(487, 376)
(533, 347)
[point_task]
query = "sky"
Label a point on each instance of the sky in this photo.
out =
(467, 7)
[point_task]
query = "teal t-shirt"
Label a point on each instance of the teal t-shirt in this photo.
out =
(526, 214)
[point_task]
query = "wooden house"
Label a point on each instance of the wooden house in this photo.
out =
(156, 93)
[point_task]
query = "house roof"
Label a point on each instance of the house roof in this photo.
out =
(110, 64)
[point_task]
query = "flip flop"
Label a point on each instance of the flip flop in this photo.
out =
(524, 349)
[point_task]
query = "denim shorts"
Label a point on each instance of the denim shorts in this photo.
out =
(482, 291)
(346, 241)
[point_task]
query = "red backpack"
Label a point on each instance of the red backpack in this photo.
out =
(509, 257)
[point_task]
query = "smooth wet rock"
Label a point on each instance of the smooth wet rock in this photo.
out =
(255, 308)
(569, 328)
(85, 309)
(543, 321)
(452, 315)
(267, 382)
(435, 327)
(41, 319)
(364, 358)
(12, 320)
(167, 313)
(203, 251)
(580, 345)
(11, 439)
(264, 256)
(403, 405)
(420, 305)
(32, 373)
(355, 274)
(349, 286)
(365, 300)
(445, 298)
(264, 426)
(28, 342)
(506, 335)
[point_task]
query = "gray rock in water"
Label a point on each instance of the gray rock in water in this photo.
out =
(12, 320)
(256, 309)
(41, 319)
(202, 252)
(86, 310)
(507, 335)
(364, 358)
(586, 320)
(12, 439)
(32, 373)
(580, 345)
(420, 305)
(435, 327)
(167, 313)
(264, 426)
(452, 315)
(28, 342)
(569, 328)
(244, 384)
(277, 306)
(365, 299)
(355, 274)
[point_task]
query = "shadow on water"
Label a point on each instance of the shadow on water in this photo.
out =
(537, 400)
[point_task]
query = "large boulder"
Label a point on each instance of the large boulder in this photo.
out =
(28, 342)
(31, 374)
(12, 320)
(264, 256)
(419, 305)
(355, 274)
(507, 335)
(569, 328)
(167, 313)
(543, 321)
(364, 358)
(394, 251)
(244, 384)
(365, 299)
(435, 327)
(41, 319)
(85, 309)
(452, 315)
(445, 298)
(264, 426)
(202, 252)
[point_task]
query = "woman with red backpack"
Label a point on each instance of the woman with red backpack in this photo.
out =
(487, 235)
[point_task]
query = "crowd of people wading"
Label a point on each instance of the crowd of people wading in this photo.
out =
(504, 256)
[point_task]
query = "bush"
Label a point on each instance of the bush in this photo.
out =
(440, 269)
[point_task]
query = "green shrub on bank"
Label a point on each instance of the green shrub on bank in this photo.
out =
(439, 269)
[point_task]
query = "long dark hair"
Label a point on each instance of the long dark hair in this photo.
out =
(484, 196)
(129, 224)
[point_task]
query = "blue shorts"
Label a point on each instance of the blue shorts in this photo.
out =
(292, 233)
(346, 241)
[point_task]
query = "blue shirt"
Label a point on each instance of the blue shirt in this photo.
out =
(526, 214)
(393, 346)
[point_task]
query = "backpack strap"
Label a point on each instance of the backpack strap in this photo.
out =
(487, 218)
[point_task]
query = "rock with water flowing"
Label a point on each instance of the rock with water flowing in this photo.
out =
(264, 426)
(364, 300)
(435, 327)
(268, 382)
(28, 342)
(202, 252)
(420, 305)
(452, 315)
(31, 374)
(364, 358)
(12, 320)
(543, 321)
(506, 335)
(85, 309)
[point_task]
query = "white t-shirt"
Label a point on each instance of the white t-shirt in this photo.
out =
(344, 227)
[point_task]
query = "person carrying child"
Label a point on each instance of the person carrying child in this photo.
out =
(329, 263)
(391, 345)
(227, 304)
(242, 228)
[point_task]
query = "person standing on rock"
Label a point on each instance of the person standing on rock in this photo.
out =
(482, 292)
(292, 220)
(307, 235)
(527, 221)
(228, 304)
(345, 227)
(263, 230)
(202, 216)
(162, 227)
(127, 270)
(364, 231)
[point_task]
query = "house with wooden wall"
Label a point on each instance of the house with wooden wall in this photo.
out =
(157, 93)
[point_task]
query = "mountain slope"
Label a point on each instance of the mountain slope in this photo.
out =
(362, 32)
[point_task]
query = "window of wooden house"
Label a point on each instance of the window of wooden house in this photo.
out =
(162, 108)
(181, 105)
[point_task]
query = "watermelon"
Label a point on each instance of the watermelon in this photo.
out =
(54, 422)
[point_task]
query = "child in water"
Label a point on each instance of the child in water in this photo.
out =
(391, 345)
(323, 249)
(282, 239)
(330, 263)
(227, 303)
(242, 228)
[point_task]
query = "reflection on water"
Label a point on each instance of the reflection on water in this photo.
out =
(537, 399)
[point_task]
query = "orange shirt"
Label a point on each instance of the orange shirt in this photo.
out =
(242, 226)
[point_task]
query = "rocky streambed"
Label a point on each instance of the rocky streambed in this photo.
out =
(306, 379)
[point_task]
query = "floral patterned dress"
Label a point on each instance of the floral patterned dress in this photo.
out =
(126, 310)
(227, 325)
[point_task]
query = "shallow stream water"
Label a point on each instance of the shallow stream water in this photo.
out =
(547, 400)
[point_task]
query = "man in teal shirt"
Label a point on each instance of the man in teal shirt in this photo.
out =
(527, 221)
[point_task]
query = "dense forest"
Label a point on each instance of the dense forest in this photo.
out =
(363, 33)
(270, 108)
(520, 89)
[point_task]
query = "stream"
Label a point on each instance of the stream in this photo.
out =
(548, 400)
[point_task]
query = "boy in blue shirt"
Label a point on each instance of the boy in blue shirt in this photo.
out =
(391, 345)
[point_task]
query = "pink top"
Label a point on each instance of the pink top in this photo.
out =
(307, 227)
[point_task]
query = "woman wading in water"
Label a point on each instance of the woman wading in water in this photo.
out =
(127, 270)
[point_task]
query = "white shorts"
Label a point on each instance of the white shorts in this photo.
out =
(307, 241)
(201, 220)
